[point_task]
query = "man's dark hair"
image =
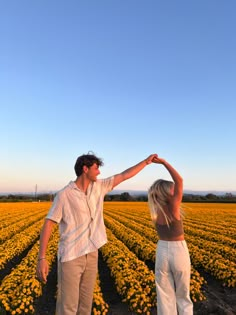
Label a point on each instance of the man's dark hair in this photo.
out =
(87, 160)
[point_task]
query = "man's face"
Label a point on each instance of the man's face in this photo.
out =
(93, 172)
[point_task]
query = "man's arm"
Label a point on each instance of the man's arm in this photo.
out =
(132, 171)
(42, 265)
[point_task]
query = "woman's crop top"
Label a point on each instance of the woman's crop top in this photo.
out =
(174, 229)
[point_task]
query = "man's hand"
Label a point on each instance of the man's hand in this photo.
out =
(158, 160)
(151, 159)
(42, 270)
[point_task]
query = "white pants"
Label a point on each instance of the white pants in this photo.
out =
(172, 274)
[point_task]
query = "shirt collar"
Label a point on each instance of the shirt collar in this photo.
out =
(73, 185)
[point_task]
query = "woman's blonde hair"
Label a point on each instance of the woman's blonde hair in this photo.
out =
(158, 197)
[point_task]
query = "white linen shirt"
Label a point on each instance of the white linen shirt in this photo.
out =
(80, 218)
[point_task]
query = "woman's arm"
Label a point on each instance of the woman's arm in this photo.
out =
(178, 180)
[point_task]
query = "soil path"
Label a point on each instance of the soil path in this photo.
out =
(220, 300)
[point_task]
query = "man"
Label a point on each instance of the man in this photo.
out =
(78, 209)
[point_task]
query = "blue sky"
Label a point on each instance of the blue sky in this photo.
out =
(121, 78)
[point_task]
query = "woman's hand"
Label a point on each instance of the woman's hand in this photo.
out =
(158, 160)
(151, 158)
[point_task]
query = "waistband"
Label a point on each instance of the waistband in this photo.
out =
(169, 244)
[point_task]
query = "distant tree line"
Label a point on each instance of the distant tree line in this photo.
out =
(125, 196)
(228, 197)
(26, 198)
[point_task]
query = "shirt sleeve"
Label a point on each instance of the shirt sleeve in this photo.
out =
(107, 184)
(55, 212)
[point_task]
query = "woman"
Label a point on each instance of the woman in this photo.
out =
(172, 270)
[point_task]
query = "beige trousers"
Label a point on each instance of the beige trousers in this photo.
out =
(76, 280)
(172, 273)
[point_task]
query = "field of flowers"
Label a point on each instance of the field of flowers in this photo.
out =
(129, 255)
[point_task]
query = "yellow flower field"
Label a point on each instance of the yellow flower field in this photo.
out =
(209, 232)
